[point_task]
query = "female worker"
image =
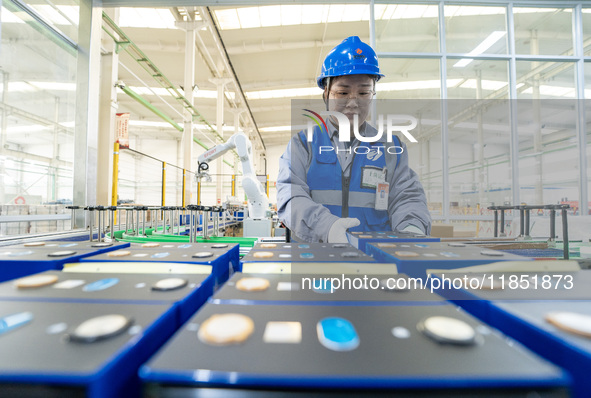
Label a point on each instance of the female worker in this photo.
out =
(328, 184)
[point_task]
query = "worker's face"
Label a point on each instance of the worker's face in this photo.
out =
(351, 95)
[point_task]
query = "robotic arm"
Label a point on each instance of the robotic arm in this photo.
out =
(258, 202)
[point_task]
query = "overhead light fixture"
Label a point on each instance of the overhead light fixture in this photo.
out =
(33, 128)
(8, 17)
(155, 18)
(482, 47)
(54, 86)
(270, 16)
(283, 93)
(249, 17)
(276, 129)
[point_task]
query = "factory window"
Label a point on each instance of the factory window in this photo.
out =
(547, 131)
(586, 18)
(407, 28)
(479, 48)
(38, 63)
(475, 30)
(543, 31)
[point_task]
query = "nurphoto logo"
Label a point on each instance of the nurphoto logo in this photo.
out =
(392, 124)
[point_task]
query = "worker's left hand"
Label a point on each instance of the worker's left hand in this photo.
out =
(338, 230)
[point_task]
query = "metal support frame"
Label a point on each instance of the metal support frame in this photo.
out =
(581, 120)
(115, 182)
(190, 28)
(444, 115)
(163, 201)
(86, 122)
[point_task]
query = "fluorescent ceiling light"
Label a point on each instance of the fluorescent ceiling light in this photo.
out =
(274, 129)
(9, 17)
(54, 86)
(158, 124)
(553, 91)
(27, 87)
(291, 14)
(20, 87)
(249, 17)
(155, 18)
(51, 14)
(491, 85)
(482, 47)
(72, 12)
(33, 128)
(161, 91)
(206, 127)
(270, 16)
(354, 12)
(411, 85)
(283, 93)
(147, 123)
(336, 13)
(316, 13)
(532, 10)
(464, 11)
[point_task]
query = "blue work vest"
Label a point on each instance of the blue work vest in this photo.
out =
(345, 197)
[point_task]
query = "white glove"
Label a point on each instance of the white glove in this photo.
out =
(413, 229)
(338, 230)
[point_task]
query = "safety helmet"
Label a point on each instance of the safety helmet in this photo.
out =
(351, 57)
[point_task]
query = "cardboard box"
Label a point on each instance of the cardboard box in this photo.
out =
(442, 230)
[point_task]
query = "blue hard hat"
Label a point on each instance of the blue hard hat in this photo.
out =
(351, 57)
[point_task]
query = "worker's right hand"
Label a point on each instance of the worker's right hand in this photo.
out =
(338, 230)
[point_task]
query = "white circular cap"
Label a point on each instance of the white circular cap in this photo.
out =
(221, 329)
(56, 328)
(403, 253)
(444, 329)
(202, 254)
(170, 284)
(102, 244)
(36, 281)
(34, 244)
(400, 332)
(101, 327)
(494, 253)
(571, 322)
(62, 253)
(262, 254)
(252, 284)
(151, 244)
(219, 245)
(119, 253)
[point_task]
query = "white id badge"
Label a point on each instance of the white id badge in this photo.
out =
(372, 176)
(382, 191)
